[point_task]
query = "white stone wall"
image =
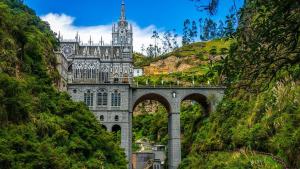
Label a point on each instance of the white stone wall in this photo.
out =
(138, 72)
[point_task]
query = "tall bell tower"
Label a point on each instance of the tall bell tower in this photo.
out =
(122, 32)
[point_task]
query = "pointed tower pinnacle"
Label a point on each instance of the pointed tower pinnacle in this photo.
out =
(77, 36)
(123, 17)
(90, 41)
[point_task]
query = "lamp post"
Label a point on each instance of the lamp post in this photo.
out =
(174, 94)
(193, 81)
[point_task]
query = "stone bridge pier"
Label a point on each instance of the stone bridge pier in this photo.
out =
(171, 98)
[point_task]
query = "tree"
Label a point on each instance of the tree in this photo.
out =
(186, 39)
(174, 40)
(230, 22)
(155, 36)
(150, 50)
(200, 27)
(211, 6)
(220, 29)
(213, 30)
(209, 30)
(194, 32)
(205, 32)
(143, 48)
(267, 44)
(167, 41)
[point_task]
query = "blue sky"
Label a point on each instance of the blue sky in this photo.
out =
(146, 14)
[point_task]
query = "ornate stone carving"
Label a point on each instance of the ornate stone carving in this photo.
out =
(67, 50)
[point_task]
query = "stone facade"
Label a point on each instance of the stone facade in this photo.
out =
(101, 76)
(62, 68)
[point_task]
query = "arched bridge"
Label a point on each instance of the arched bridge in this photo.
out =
(171, 98)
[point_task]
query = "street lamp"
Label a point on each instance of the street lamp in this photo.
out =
(174, 94)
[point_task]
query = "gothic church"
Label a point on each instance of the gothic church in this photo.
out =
(100, 76)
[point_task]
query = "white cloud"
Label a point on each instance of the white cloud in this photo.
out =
(65, 25)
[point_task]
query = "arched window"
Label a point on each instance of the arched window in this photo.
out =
(116, 99)
(88, 98)
(104, 77)
(99, 99)
(101, 118)
(119, 99)
(81, 73)
(76, 74)
(113, 99)
(116, 129)
(89, 73)
(116, 118)
(94, 73)
(105, 95)
(104, 127)
(116, 78)
(102, 98)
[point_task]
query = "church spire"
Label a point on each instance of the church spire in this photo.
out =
(123, 17)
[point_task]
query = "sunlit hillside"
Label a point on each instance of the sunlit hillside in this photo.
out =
(194, 64)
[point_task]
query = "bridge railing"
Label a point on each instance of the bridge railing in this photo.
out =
(136, 85)
(171, 83)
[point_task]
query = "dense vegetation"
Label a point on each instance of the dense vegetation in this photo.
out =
(261, 109)
(255, 126)
(39, 126)
(257, 123)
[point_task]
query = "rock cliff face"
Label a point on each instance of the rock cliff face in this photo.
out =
(147, 107)
(173, 64)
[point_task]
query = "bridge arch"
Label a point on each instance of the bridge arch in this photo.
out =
(103, 127)
(201, 99)
(116, 128)
(117, 132)
(153, 96)
(171, 99)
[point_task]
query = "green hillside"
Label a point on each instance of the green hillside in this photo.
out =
(39, 126)
(204, 58)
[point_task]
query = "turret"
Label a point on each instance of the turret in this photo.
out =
(122, 33)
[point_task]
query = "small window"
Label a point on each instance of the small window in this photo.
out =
(101, 118)
(88, 98)
(102, 98)
(116, 99)
(116, 118)
(104, 77)
(116, 80)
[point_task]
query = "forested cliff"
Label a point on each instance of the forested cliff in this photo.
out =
(39, 126)
(260, 112)
(257, 125)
